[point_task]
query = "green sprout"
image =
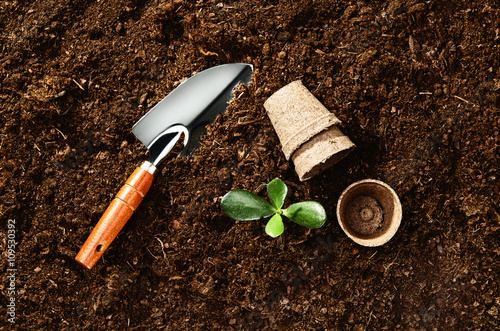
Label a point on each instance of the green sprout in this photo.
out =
(245, 206)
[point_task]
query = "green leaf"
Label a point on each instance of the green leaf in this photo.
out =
(277, 191)
(246, 206)
(275, 226)
(310, 214)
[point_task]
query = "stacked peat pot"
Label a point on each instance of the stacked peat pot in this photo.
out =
(307, 131)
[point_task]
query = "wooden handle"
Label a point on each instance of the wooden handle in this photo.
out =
(118, 213)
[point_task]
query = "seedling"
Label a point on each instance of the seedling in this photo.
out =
(245, 206)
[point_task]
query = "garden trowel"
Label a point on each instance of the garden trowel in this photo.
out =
(184, 112)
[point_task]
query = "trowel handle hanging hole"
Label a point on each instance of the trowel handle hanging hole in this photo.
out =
(98, 248)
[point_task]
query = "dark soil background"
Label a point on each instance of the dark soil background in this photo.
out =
(416, 85)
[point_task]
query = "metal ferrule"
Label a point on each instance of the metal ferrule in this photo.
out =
(149, 167)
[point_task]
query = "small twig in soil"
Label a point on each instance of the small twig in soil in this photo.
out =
(293, 243)
(151, 253)
(162, 246)
(317, 88)
(81, 87)
(257, 190)
(476, 229)
(62, 134)
(466, 101)
(207, 53)
(386, 267)
(175, 278)
(369, 319)
(248, 122)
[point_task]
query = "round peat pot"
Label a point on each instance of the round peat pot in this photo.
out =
(369, 212)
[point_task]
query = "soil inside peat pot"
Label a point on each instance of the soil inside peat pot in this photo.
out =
(364, 216)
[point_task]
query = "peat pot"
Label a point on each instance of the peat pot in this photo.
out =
(307, 131)
(369, 212)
